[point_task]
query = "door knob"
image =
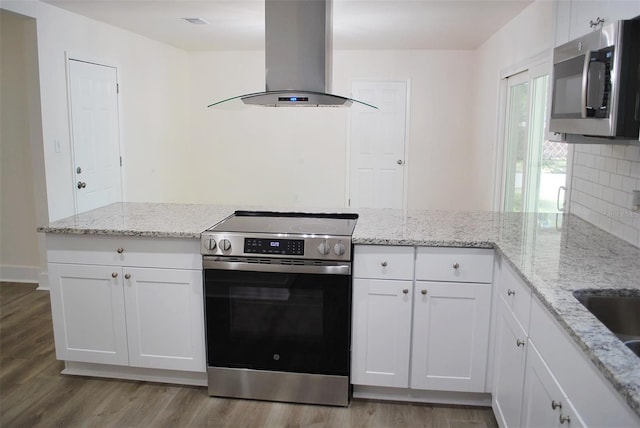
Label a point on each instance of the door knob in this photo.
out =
(81, 184)
(78, 170)
(399, 162)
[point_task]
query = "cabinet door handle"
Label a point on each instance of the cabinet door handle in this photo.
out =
(456, 265)
(595, 23)
(424, 291)
(519, 343)
(405, 291)
(510, 292)
(564, 419)
(120, 250)
(114, 275)
(556, 404)
(127, 276)
(383, 264)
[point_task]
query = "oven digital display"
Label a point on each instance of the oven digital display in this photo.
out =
(289, 247)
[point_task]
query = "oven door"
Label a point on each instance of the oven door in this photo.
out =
(277, 317)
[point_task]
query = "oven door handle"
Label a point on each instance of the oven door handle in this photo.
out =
(337, 268)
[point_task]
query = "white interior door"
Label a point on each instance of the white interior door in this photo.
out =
(95, 134)
(377, 145)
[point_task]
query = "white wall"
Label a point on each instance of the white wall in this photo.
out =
(526, 36)
(153, 103)
(298, 156)
(19, 256)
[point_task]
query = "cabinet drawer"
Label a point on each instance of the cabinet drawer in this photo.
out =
(383, 262)
(515, 294)
(173, 253)
(454, 264)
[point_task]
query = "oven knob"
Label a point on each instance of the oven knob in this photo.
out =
(224, 244)
(212, 244)
(324, 248)
(339, 249)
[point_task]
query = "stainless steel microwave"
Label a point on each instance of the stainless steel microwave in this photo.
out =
(596, 83)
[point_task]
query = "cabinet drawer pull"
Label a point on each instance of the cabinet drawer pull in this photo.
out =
(519, 343)
(556, 404)
(564, 419)
(384, 264)
(405, 291)
(120, 250)
(510, 292)
(424, 291)
(114, 275)
(456, 265)
(127, 276)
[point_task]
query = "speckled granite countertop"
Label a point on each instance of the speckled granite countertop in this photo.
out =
(555, 258)
(142, 219)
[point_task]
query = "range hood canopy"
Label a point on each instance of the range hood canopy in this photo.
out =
(298, 48)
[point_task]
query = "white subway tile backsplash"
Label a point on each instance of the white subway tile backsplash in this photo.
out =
(629, 184)
(632, 153)
(603, 178)
(624, 167)
(615, 181)
(620, 198)
(605, 150)
(618, 151)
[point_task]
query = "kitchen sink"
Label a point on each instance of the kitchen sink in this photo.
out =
(620, 313)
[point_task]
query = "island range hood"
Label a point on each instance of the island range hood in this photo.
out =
(298, 48)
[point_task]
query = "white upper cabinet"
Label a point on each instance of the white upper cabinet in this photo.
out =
(576, 18)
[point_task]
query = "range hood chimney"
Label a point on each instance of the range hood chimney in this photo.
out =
(298, 48)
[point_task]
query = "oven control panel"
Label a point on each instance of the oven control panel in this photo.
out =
(289, 247)
(273, 245)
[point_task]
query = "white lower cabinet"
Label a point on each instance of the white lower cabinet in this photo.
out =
(436, 330)
(541, 377)
(381, 332)
(544, 402)
(165, 318)
(89, 322)
(450, 336)
(511, 343)
(123, 315)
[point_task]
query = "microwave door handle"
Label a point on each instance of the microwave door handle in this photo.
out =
(585, 84)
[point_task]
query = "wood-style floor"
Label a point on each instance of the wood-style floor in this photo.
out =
(33, 393)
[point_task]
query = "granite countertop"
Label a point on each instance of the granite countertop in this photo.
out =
(555, 256)
(142, 219)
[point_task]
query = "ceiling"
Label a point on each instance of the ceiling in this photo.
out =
(357, 24)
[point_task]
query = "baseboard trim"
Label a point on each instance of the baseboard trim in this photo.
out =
(135, 373)
(418, 396)
(19, 273)
(43, 281)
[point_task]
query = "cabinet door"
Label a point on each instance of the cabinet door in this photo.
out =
(509, 368)
(87, 305)
(450, 336)
(165, 320)
(584, 11)
(381, 332)
(544, 404)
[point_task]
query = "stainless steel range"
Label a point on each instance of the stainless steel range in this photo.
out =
(278, 306)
